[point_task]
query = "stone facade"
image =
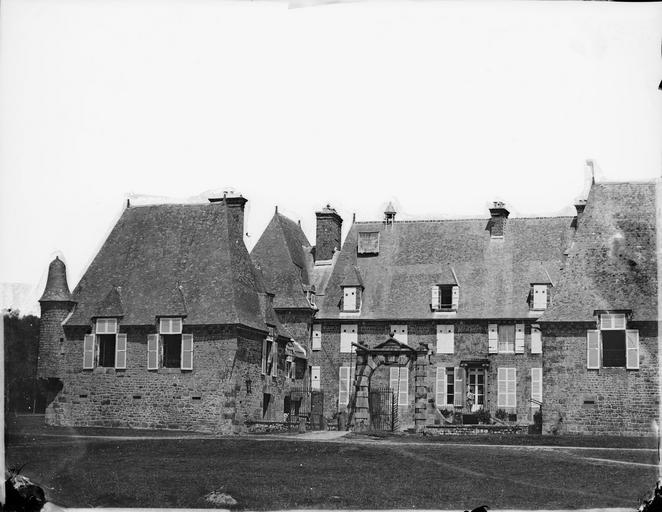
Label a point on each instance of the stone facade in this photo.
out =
(471, 342)
(600, 401)
(213, 397)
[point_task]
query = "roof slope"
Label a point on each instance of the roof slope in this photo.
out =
(172, 259)
(612, 264)
(283, 256)
(494, 275)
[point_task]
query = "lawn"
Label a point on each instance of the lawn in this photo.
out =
(263, 473)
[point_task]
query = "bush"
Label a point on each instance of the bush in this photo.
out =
(483, 416)
(501, 415)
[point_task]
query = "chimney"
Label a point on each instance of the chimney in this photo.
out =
(579, 206)
(235, 207)
(389, 214)
(329, 228)
(497, 224)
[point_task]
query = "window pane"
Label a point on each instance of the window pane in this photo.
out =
(106, 350)
(506, 338)
(446, 296)
(172, 350)
(613, 348)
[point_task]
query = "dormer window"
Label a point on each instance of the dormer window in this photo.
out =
(106, 348)
(351, 298)
(539, 296)
(368, 243)
(612, 345)
(176, 349)
(445, 297)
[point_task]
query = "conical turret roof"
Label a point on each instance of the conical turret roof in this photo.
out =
(57, 288)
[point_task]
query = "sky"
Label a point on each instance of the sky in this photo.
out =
(440, 107)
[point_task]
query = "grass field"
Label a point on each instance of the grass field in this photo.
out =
(262, 473)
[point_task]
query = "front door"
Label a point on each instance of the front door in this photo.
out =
(476, 388)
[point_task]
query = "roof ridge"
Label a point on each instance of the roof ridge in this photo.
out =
(463, 219)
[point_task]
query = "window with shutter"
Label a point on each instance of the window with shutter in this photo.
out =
(507, 338)
(152, 351)
(317, 337)
(120, 352)
(593, 349)
(436, 298)
(343, 386)
(348, 335)
(493, 338)
(88, 352)
(506, 387)
(539, 292)
(519, 338)
(536, 341)
(350, 302)
(632, 348)
(536, 386)
(315, 377)
(170, 337)
(458, 396)
(455, 297)
(440, 388)
(399, 383)
(400, 333)
(445, 339)
(187, 352)
(105, 341)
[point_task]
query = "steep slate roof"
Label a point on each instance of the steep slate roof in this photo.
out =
(283, 256)
(613, 261)
(494, 275)
(173, 259)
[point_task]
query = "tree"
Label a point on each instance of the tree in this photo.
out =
(21, 352)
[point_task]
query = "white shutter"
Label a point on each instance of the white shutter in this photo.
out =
(493, 338)
(152, 351)
(187, 352)
(440, 398)
(539, 296)
(348, 335)
(536, 385)
(445, 339)
(400, 388)
(435, 297)
(519, 338)
(315, 377)
(459, 386)
(88, 352)
(512, 387)
(343, 386)
(455, 297)
(264, 356)
(317, 337)
(120, 352)
(632, 349)
(400, 333)
(506, 388)
(349, 298)
(536, 341)
(592, 349)
(274, 358)
(403, 397)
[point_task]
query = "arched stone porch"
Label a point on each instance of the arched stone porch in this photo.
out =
(389, 353)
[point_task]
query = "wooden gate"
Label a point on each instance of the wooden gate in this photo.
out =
(383, 409)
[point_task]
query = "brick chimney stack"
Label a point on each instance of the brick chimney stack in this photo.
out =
(497, 223)
(328, 233)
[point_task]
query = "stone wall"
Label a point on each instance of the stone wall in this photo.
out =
(50, 363)
(213, 397)
(471, 342)
(625, 402)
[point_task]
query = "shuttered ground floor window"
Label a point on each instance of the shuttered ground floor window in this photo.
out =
(445, 386)
(506, 387)
(399, 383)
